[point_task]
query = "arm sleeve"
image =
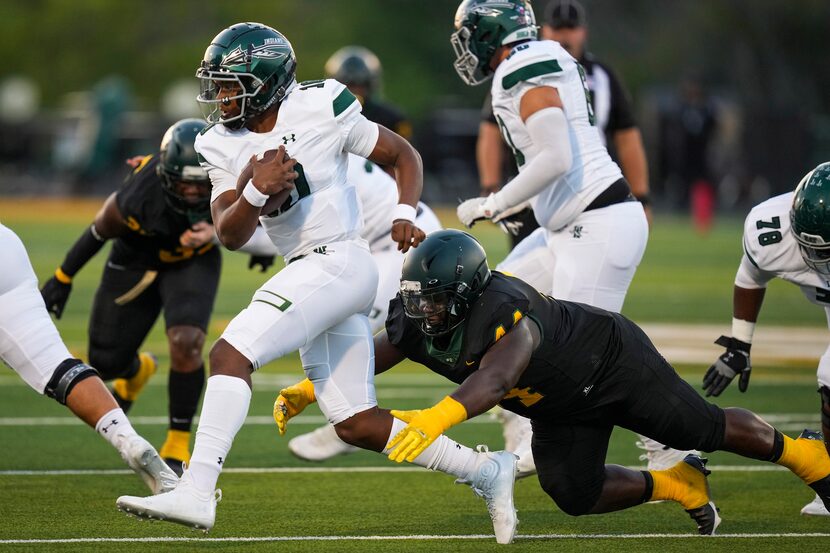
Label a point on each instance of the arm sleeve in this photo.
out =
(549, 130)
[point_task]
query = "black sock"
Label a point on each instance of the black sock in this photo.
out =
(647, 493)
(777, 447)
(184, 391)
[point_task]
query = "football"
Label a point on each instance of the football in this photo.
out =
(275, 201)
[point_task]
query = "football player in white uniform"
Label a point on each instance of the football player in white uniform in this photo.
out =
(31, 346)
(378, 196)
(320, 301)
(788, 237)
(592, 231)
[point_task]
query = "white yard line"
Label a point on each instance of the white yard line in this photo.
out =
(174, 539)
(332, 470)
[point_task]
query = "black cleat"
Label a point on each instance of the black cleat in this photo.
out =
(175, 465)
(821, 487)
(706, 516)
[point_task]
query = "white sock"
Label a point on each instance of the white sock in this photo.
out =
(114, 427)
(444, 455)
(223, 411)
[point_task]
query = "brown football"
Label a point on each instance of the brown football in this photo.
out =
(275, 201)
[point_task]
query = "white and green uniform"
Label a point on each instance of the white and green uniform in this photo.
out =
(576, 255)
(770, 251)
(320, 301)
(378, 194)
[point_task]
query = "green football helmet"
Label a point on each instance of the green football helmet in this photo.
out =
(178, 164)
(253, 58)
(355, 66)
(482, 26)
(441, 279)
(810, 218)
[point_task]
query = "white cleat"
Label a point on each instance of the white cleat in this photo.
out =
(659, 456)
(184, 505)
(145, 461)
(319, 445)
(492, 479)
(518, 434)
(815, 508)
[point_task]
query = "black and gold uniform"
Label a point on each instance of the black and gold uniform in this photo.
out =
(148, 271)
(593, 370)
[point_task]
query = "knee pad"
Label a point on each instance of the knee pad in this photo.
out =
(65, 377)
(825, 405)
(572, 500)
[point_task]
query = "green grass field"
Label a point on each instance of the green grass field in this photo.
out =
(59, 481)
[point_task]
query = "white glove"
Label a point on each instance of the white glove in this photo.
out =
(476, 209)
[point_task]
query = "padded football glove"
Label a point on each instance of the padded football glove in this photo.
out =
(55, 293)
(291, 402)
(423, 427)
(734, 361)
(262, 261)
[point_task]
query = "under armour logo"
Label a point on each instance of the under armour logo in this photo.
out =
(113, 422)
(577, 231)
(587, 390)
(287, 139)
(220, 461)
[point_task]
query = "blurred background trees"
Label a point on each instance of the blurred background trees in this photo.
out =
(87, 83)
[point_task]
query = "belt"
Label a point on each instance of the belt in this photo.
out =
(319, 249)
(617, 193)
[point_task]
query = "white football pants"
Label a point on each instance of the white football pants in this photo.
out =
(29, 342)
(319, 305)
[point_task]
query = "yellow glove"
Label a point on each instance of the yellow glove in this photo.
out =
(423, 427)
(291, 402)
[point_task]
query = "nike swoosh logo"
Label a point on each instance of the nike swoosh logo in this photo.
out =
(469, 363)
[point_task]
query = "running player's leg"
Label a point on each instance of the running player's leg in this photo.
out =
(187, 294)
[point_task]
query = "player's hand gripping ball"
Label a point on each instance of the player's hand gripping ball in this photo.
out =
(275, 178)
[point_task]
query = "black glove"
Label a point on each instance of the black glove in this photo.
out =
(734, 361)
(513, 224)
(55, 293)
(264, 261)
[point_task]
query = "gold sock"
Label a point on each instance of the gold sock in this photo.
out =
(176, 446)
(807, 458)
(129, 388)
(681, 483)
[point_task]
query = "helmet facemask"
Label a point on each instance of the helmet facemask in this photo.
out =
(468, 64)
(436, 311)
(197, 209)
(815, 252)
(249, 88)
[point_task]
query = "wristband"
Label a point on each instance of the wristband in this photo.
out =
(742, 330)
(404, 212)
(450, 412)
(62, 277)
(253, 195)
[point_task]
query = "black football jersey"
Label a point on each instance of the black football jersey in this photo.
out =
(579, 344)
(155, 227)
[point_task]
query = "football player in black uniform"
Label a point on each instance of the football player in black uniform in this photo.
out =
(360, 70)
(576, 371)
(163, 258)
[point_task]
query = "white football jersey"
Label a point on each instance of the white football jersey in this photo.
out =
(546, 63)
(378, 195)
(313, 123)
(770, 251)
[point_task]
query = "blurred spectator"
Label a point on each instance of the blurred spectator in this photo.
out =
(688, 129)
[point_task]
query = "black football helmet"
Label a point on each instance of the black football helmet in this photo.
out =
(179, 163)
(441, 278)
(355, 66)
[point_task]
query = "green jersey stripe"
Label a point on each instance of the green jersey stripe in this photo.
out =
(343, 100)
(529, 71)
